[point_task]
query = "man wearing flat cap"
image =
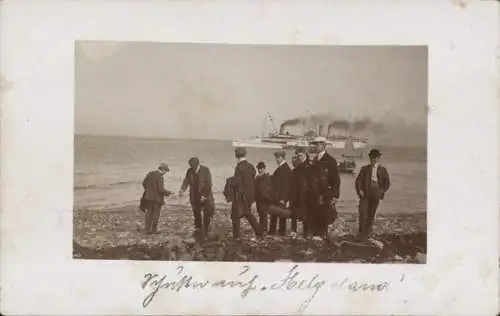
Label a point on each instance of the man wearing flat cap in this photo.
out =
(153, 198)
(243, 183)
(299, 189)
(281, 188)
(330, 186)
(199, 180)
(372, 183)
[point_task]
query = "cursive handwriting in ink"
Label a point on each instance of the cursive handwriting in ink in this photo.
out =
(246, 286)
(357, 286)
(292, 282)
(153, 283)
(246, 281)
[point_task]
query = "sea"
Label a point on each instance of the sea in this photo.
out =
(109, 171)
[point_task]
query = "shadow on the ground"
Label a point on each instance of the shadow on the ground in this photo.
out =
(398, 248)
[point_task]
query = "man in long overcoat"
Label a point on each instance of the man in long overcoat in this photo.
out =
(298, 190)
(329, 185)
(281, 188)
(243, 183)
(199, 180)
(263, 194)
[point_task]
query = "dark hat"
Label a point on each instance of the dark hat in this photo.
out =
(280, 153)
(240, 152)
(194, 160)
(261, 165)
(300, 149)
(374, 153)
(163, 166)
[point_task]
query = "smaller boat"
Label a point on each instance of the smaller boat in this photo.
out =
(348, 163)
(347, 166)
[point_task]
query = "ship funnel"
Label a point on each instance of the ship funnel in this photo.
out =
(282, 129)
(329, 132)
(320, 130)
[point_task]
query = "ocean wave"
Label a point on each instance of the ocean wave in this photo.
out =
(104, 185)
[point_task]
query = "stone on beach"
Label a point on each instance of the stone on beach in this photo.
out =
(420, 257)
(174, 242)
(377, 243)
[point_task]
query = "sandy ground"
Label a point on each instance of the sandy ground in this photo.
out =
(118, 234)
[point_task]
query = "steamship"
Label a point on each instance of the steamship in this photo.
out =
(282, 139)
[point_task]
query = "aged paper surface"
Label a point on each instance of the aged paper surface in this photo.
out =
(65, 76)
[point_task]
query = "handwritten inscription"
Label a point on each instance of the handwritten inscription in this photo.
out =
(247, 282)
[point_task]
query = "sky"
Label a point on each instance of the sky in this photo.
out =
(223, 91)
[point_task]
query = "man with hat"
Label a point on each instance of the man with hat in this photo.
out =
(263, 194)
(298, 189)
(315, 221)
(372, 183)
(199, 180)
(152, 199)
(330, 187)
(281, 188)
(243, 183)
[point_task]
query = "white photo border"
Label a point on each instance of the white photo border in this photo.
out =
(38, 274)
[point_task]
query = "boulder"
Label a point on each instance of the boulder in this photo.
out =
(420, 257)
(397, 258)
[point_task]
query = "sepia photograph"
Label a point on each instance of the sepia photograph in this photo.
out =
(270, 153)
(249, 158)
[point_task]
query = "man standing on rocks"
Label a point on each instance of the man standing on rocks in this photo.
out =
(199, 180)
(298, 189)
(263, 194)
(153, 198)
(281, 187)
(243, 183)
(372, 183)
(329, 185)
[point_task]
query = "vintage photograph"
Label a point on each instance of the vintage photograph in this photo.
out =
(224, 152)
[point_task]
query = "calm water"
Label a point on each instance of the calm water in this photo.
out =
(109, 171)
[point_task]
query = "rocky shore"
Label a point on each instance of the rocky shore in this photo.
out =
(118, 234)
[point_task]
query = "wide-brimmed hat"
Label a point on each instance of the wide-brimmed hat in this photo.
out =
(164, 166)
(319, 140)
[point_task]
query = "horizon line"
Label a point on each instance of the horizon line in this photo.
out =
(220, 139)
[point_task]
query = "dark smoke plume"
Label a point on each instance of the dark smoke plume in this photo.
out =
(328, 120)
(361, 125)
(339, 124)
(293, 122)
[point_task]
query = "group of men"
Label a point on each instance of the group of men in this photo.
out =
(310, 190)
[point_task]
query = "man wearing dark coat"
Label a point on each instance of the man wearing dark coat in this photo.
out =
(315, 214)
(298, 189)
(372, 183)
(281, 188)
(263, 194)
(243, 183)
(330, 184)
(153, 197)
(199, 180)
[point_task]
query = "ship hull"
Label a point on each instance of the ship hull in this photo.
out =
(256, 144)
(341, 144)
(261, 143)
